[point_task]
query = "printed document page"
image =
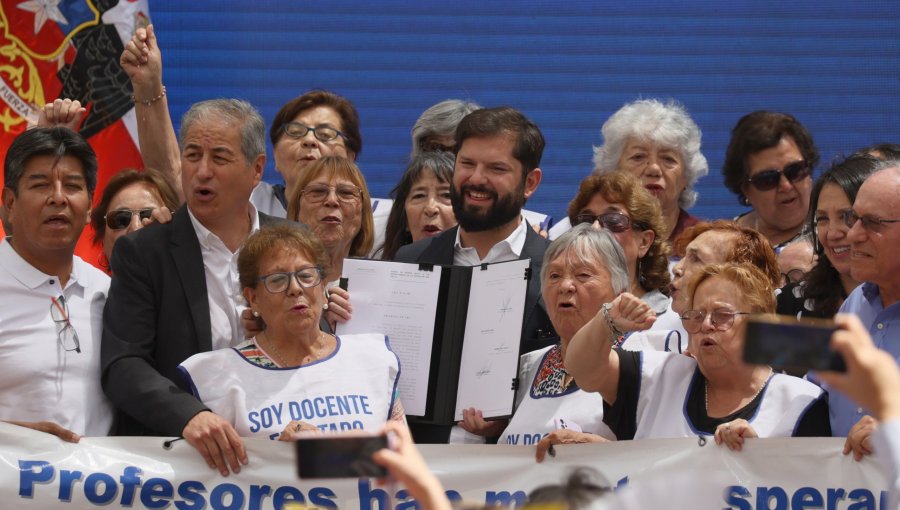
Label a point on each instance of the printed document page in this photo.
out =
(490, 354)
(398, 300)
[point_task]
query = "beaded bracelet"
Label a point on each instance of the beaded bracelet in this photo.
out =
(616, 336)
(148, 102)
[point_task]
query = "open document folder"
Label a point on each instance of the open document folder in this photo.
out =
(456, 331)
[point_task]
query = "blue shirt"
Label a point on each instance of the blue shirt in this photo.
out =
(884, 326)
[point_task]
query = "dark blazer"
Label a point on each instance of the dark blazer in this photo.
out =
(156, 316)
(537, 331)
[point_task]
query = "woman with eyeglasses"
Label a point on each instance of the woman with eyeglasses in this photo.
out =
(829, 282)
(307, 128)
(131, 200)
(617, 202)
(652, 394)
(331, 198)
(292, 376)
(716, 242)
(768, 165)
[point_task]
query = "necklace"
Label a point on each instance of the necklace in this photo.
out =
(276, 354)
(280, 359)
(706, 390)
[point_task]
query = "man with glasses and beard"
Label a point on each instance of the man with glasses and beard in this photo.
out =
(498, 153)
(50, 324)
(874, 235)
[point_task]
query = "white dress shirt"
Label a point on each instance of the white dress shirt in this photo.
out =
(223, 288)
(504, 251)
(39, 379)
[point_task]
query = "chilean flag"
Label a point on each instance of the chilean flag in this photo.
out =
(70, 49)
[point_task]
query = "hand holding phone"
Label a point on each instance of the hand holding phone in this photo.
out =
(784, 342)
(339, 455)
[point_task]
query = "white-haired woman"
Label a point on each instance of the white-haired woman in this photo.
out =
(435, 130)
(583, 268)
(659, 143)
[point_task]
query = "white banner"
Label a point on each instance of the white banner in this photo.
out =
(39, 471)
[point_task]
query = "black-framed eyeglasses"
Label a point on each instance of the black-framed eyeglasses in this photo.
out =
(121, 218)
(793, 276)
(612, 221)
(769, 179)
(65, 332)
(306, 277)
(316, 193)
(322, 132)
(721, 320)
(869, 223)
(426, 145)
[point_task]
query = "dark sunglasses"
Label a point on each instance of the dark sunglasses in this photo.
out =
(769, 179)
(612, 221)
(121, 218)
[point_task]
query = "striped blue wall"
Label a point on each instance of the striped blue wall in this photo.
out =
(568, 65)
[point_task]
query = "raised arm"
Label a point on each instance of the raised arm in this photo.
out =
(590, 357)
(142, 61)
(62, 112)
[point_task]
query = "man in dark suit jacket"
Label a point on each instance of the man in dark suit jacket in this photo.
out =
(497, 169)
(158, 310)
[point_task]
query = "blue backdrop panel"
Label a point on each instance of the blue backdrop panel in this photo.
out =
(833, 64)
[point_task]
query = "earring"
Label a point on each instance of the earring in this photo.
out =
(325, 306)
(255, 313)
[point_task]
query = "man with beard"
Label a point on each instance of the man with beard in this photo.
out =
(498, 151)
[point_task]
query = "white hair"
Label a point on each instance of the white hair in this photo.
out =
(667, 124)
(441, 120)
(595, 246)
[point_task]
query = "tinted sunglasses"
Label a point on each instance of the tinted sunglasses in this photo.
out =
(612, 221)
(121, 218)
(769, 179)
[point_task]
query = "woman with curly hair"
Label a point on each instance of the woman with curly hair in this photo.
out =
(619, 203)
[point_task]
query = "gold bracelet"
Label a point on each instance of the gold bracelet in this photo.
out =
(148, 102)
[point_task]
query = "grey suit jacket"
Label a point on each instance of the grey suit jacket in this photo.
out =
(156, 316)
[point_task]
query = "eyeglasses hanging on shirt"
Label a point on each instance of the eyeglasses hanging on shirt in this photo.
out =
(65, 332)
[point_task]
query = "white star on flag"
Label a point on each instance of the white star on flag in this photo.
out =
(44, 9)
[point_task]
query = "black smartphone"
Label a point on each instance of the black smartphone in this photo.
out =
(339, 456)
(784, 342)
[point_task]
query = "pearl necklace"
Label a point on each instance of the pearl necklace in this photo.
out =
(706, 390)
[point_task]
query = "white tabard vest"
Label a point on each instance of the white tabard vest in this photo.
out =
(536, 417)
(665, 386)
(353, 388)
(656, 340)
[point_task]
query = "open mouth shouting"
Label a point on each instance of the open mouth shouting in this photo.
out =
(331, 220)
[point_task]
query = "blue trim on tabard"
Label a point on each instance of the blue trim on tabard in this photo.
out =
(387, 344)
(806, 410)
(190, 381)
(571, 389)
(687, 418)
(337, 348)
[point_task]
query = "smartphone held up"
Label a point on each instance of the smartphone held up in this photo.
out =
(340, 455)
(787, 343)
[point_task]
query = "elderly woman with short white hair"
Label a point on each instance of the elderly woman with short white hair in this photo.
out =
(583, 268)
(659, 143)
